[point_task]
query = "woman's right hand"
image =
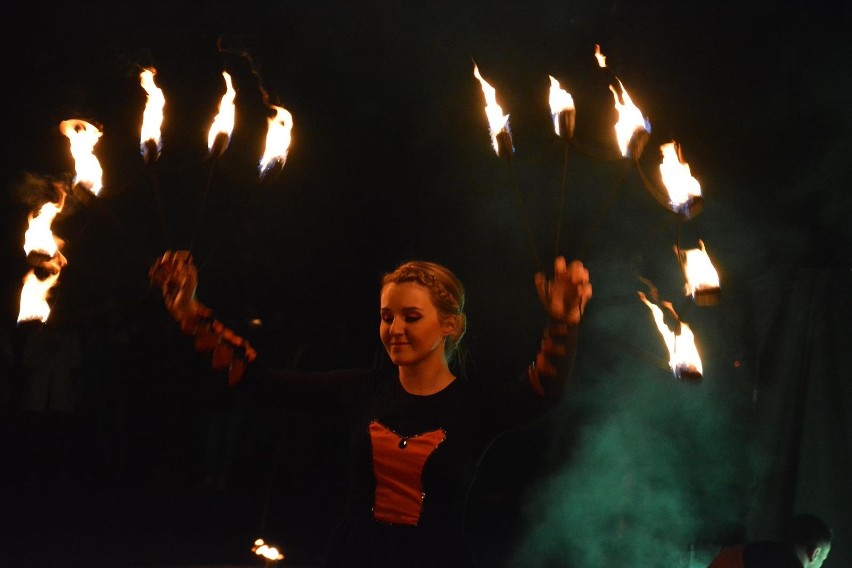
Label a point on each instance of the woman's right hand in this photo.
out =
(177, 277)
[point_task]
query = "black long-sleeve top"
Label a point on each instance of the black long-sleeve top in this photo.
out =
(412, 458)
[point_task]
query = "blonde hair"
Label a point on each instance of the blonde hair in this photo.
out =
(445, 290)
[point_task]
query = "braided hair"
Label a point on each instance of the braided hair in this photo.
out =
(445, 290)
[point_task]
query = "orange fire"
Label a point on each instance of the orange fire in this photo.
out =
(269, 553)
(561, 108)
(600, 56)
(39, 238)
(42, 249)
(278, 137)
(152, 117)
(83, 136)
(223, 124)
(34, 294)
(702, 280)
(684, 359)
(630, 119)
(497, 121)
(680, 185)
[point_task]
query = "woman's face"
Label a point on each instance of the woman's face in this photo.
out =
(411, 329)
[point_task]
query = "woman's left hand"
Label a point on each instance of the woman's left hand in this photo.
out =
(564, 297)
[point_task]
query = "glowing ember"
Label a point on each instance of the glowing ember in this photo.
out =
(152, 118)
(630, 121)
(265, 551)
(223, 124)
(702, 280)
(600, 56)
(562, 109)
(680, 185)
(683, 355)
(497, 121)
(83, 137)
(277, 140)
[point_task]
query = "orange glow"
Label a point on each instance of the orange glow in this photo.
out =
(560, 100)
(39, 238)
(267, 552)
(278, 139)
(83, 137)
(630, 119)
(600, 56)
(34, 297)
(223, 123)
(684, 359)
(701, 275)
(497, 121)
(152, 118)
(43, 249)
(680, 184)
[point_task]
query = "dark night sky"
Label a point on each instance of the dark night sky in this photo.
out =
(391, 159)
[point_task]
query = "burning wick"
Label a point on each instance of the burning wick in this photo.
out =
(600, 56)
(223, 124)
(278, 137)
(501, 136)
(702, 280)
(683, 189)
(632, 129)
(562, 109)
(683, 355)
(43, 254)
(268, 553)
(83, 136)
(152, 118)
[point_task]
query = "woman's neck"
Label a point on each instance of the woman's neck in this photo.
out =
(426, 379)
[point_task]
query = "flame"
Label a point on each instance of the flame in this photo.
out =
(34, 297)
(152, 118)
(700, 273)
(83, 137)
(268, 552)
(39, 238)
(630, 118)
(683, 355)
(223, 123)
(497, 121)
(560, 100)
(43, 250)
(277, 138)
(600, 56)
(680, 184)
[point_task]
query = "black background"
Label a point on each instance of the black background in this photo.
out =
(391, 159)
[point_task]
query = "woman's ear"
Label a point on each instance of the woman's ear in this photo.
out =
(449, 325)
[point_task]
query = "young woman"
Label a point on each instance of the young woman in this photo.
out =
(417, 432)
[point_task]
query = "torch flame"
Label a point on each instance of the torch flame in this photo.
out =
(34, 297)
(152, 117)
(701, 275)
(83, 137)
(223, 123)
(277, 139)
(497, 121)
(683, 355)
(39, 238)
(560, 100)
(630, 119)
(265, 551)
(600, 56)
(43, 251)
(680, 184)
